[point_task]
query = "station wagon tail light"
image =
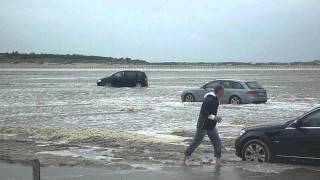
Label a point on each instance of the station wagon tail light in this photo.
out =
(251, 93)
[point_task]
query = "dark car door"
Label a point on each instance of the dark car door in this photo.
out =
(117, 80)
(310, 126)
(301, 139)
(130, 78)
(287, 142)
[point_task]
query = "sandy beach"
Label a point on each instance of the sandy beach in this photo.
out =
(18, 172)
(97, 147)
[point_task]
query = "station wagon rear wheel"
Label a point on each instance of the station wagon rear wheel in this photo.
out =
(189, 98)
(256, 151)
(235, 100)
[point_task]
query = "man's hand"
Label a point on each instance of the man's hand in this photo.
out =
(218, 119)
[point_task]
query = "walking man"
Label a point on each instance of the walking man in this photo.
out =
(207, 122)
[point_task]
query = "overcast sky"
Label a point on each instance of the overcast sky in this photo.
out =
(165, 30)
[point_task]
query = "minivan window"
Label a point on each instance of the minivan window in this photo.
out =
(236, 85)
(312, 120)
(140, 75)
(130, 74)
(118, 75)
(253, 85)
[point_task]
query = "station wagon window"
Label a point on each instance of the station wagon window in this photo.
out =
(254, 85)
(130, 74)
(236, 85)
(212, 84)
(312, 120)
(226, 84)
(118, 75)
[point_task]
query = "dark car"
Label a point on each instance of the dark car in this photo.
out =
(125, 79)
(298, 139)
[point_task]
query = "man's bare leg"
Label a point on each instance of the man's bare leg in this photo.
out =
(183, 160)
(218, 162)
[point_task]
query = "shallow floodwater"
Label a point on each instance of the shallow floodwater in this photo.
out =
(62, 117)
(71, 98)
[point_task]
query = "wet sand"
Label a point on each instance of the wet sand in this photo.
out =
(67, 153)
(227, 172)
(100, 147)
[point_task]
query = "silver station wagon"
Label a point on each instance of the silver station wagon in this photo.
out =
(236, 92)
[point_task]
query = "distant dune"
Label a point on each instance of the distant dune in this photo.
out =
(15, 59)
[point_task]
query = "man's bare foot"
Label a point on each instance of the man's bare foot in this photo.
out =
(183, 160)
(219, 162)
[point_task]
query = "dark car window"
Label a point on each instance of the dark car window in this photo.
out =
(226, 84)
(130, 74)
(312, 120)
(140, 75)
(236, 85)
(254, 85)
(212, 84)
(118, 75)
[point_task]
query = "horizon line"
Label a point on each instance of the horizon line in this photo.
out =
(190, 62)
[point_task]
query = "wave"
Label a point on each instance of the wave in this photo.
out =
(81, 134)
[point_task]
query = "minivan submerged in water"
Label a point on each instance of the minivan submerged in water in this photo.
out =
(125, 79)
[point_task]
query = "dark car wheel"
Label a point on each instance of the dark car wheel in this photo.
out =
(101, 84)
(107, 84)
(138, 85)
(235, 100)
(256, 150)
(189, 98)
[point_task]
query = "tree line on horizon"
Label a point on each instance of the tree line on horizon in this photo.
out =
(40, 58)
(16, 57)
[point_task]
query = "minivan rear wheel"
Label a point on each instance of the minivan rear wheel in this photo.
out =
(256, 151)
(107, 84)
(139, 85)
(189, 98)
(235, 100)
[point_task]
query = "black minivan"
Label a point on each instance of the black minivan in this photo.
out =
(125, 79)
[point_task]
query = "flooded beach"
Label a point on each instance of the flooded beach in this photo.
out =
(61, 117)
(140, 90)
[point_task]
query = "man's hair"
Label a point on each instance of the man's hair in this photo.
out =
(218, 88)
